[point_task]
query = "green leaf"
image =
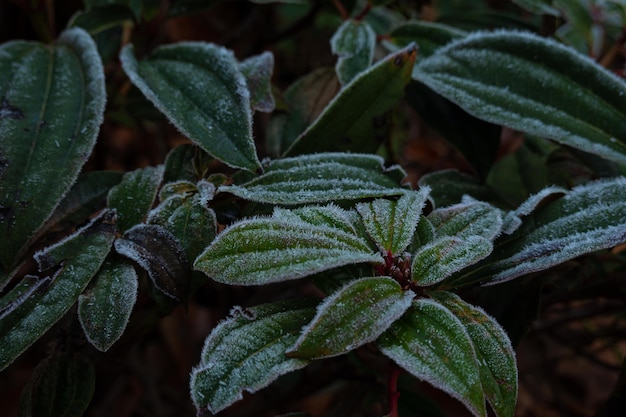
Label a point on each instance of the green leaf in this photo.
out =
(246, 352)
(468, 218)
(202, 92)
(539, 7)
(355, 117)
(186, 162)
(321, 178)
(105, 307)
(534, 85)
(258, 73)
(263, 250)
(449, 186)
(60, 386)
(157, 251)
(75, 260)
(51, 107)
(134, 196)
(354, 315)
(391, 224)
(432, 344)
(429, 36)
(99, 19)
(495, 355)
(513, 219)
(587, 219)
(354, 44)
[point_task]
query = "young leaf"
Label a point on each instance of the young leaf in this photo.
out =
(513, 219)
(258, 73)
(51, 106)
(78, 258)
(495, 355)
(354, 44)
(158, 252)
(429, 36)
(321, 178)
(185, 162)
(588, 218)
(246, 352)
(351, 121)
(432, 344)
(468, 218)
(355, 315)
(202, 92)
(60, 386)
(263, 250)
(134, 196)
(105, 307)
(391, 224)
(534, 85)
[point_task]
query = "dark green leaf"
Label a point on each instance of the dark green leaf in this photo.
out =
(432, 344)
(534, 85)
(258, 72)
(51, 107)
(76, 260)
(321, 178)
(105, 307)
(202, 92)
(355, 315)
(354, 44)
(351, 122)
(468, 218)
(100, 19)
(246, 352)
(449, 186)
(186, 162)
(429, 36)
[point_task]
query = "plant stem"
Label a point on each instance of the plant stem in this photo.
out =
(342, 10)
(392, 390)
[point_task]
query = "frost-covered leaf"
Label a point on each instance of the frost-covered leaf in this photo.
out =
(391, 224)
(429, 36)
(354, 315)
(258, 72)
(200, 89)
(60, 386)
(263, 250)
(468, 218)
(52, 101)
(446, 255)
(534, 85)
(105, 307)
(186, 162)
(513, 219)
(134, 196)
(73, 262)
(321, 178)
(354, 44)
(432, 344)
(355, 119)
(588, 218)
(157, 251)
(449, 186)
(246, 352)
(495, 355)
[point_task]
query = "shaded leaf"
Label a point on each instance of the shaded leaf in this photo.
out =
(158, 252)
(353, 120)
(99, 19)
(202, 92)
(353, 43)
(76, 260)
(134, 196)
(495, 355)
(513, 219)
(321, 178)
(354, 315)
(258, 72)
(263, 250)
(246, 352)
(185, 162)
(51, 106)
(430, 343)
(105, 307)
(429, 36)
(449, 186)
(534, 85)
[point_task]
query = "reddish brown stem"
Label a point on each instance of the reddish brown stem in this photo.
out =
(342, 10)
(392, 390)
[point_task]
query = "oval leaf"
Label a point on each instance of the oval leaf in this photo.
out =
(264, 250)
(354, 315)
(105, 307)
(354, 119)
(158, 252)
(496, 358)
(432, 344)
(78, 258)
(534, 85)
(469, 218)
(246, 352)
(51, 107)
(321, 178)
(202, 92)
(354, 44)
(258, 72)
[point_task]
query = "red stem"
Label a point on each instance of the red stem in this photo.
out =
(392, 390)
